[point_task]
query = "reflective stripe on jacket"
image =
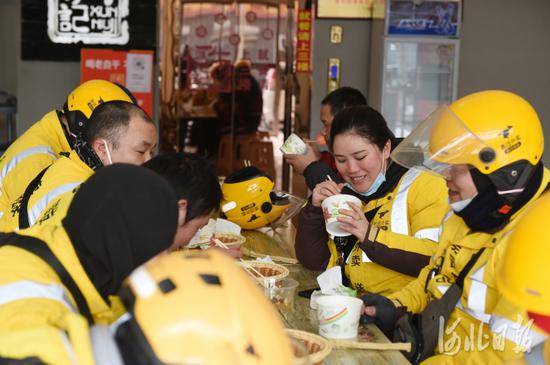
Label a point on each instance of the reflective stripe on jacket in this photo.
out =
(481, 313)
(402, 236)
(29, 154)
(43, 302)
(59, 182)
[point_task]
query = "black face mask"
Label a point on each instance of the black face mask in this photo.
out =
(480, 214)
(487, 211)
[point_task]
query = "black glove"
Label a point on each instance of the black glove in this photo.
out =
(386, 313)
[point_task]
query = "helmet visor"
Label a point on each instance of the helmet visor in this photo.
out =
(438, 142)
(293, 206)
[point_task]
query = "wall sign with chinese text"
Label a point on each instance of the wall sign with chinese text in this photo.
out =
(351, 9)
(56, 30)
(88, 21)
(303, 46)
(133, 69)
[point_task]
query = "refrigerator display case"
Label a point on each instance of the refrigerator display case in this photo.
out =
(418, 75)
(419, 60)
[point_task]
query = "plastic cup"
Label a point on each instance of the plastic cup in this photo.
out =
(293, 146)
(331, 211)
(282, 293)
(338, 316)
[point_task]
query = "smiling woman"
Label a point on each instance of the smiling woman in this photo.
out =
(362, 150)
(395, 231)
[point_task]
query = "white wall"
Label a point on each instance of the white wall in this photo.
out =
(354, 57)
(43, 86)
(505, 44)
(39, 86)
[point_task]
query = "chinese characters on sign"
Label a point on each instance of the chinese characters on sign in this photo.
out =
(303, 46)
(213, 35)
(351, 9)
(133, 69)
(452, 341)
(88, 21)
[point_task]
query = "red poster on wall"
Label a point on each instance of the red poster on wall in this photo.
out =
(133, 69)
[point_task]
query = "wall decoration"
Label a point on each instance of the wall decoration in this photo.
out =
(432, 18)
(351, 9)
(88, 22)
(303, 46)
(133, 69)
(56, 30)
(336, 34)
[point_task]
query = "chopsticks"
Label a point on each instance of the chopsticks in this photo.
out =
(285, 260)
(249, 269)
(347, 344)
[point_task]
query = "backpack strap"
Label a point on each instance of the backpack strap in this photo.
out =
(24, 209)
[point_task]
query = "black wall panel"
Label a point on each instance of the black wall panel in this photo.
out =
(36, 45)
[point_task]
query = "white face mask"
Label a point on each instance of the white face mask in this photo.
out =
(460, 205)
(107, 152)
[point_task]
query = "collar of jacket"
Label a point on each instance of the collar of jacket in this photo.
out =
(66, 140)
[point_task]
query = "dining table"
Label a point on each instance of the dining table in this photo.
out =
(278, 244)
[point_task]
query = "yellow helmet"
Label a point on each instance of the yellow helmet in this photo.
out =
(249, 199)
(82, 101)
(523, 275)
(496, 132)
(199, 308)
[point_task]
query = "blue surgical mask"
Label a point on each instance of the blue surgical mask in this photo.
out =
(380, 179)
(460, 205)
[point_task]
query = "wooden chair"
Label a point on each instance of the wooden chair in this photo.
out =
(247, 147)
(242, 149)
(225, 156)
(261, 156)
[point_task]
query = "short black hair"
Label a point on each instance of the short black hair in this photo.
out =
(193, 178)
(110, 119)
(342, 98)
(364, 121)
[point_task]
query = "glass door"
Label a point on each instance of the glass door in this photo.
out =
(419, 74)
(225, 85)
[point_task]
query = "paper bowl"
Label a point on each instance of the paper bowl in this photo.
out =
(331, 207)
(339, 316)
(293, 146)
